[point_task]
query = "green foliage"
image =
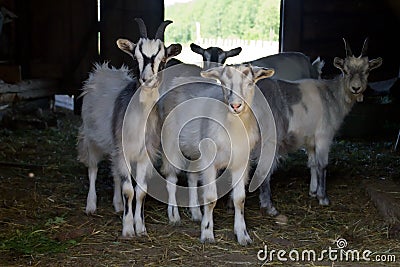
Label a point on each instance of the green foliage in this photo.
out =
(34, 242)
(55, 221)
(250, 20)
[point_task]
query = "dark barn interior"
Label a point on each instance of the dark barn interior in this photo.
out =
(49, 48)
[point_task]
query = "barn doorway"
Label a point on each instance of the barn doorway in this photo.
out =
(253, 25)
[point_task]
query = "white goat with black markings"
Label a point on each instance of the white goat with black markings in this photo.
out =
(214, 56)
(116, 124)
(308, 113)
(198, 110)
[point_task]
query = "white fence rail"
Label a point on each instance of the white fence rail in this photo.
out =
(234, 43)
(251, 49)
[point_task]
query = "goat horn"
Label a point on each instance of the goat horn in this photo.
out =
(161, 29)
(347, 47)
(364, 48)
(142, 28)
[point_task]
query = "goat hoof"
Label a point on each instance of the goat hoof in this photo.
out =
(324, 201)
(90, 208)
(173, 215)
(207, 238)
(128, 233)
(196, 215)
(118, 207)
(175, 220)
(244, 239)
(90, 212)
(140, 229)
(269, 211)
(142, 233)
(312, 194)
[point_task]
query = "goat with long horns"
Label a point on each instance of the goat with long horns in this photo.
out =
(114, 121)
(150, 54)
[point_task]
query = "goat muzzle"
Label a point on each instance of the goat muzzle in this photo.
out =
(150, 83)
(236, 108)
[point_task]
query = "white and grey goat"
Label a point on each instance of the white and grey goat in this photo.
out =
(287, 66)
(117, 124)
(212, 57)
(308, 113)
(198, 111)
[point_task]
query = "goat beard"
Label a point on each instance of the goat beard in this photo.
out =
(148, 93)
(351, 97)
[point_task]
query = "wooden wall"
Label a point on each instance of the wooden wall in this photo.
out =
(57, 39)
(117, 21)
(317, 27)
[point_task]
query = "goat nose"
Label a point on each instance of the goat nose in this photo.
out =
(356, 89)
(235, 107)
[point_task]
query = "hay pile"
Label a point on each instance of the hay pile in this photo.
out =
(43, 192)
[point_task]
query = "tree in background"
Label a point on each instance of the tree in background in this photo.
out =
(250, 20)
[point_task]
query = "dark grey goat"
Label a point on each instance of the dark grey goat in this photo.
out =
(287, 65)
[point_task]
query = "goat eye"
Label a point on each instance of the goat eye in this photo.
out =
(164, 60)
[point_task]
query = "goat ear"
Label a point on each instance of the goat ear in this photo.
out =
(173, 50)
(233, 52)
(338, 63)
(262, 73)
(375, 63)
(126, 46)
(318, 64)
(196, 48)
(213, 73)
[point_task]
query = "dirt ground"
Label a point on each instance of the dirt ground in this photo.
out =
(43, 191)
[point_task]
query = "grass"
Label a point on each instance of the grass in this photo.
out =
(37, 240)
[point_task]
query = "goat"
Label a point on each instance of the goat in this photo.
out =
(233, 129)
(214, 56)
(291, 66)
(287, 65)
(99, 93)
(117, 111)
(308, 114)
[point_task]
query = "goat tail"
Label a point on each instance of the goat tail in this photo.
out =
(82, 146)
(88, 152)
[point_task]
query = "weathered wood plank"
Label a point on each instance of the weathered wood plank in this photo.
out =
(385, 194)
(25, 90)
